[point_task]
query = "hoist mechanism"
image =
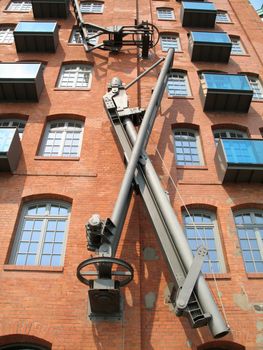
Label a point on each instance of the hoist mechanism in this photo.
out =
(190, 296)
(143, 35)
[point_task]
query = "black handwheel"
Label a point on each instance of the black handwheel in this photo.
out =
(86, 276)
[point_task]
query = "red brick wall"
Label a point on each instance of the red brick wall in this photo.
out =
(51, 304)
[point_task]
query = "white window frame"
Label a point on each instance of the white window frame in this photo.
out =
(247, 228)
(20, 124)
(186, 137)
(74, 71)
(222, 17)
(165, 13)
(6, 34)
(63, 131)
(217, 240)
(230, 134)
(24, 216)
(180, 79)
(19, 6)
(170, 41)
(256, 86)
(91, 7)
(237, 47)
(76, 38)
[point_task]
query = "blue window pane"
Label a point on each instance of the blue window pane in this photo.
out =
(59, 237)
(44, 27)
(21, 259)
(19, 70)
(57, 248)
(198, 5)
(243, 151)
(205, 267)
(31, 259)
(238, 219)
(259, 218)
(257, 255)
(226, 81)
(47, 248)
(55, 260)
(251, 234)
(244, 244)
(247, 255)
(45, 260)
(26, 236)
(38, 225)
(49, 236)
(54, 210)
(35, 236)
(250, 267)
(254, 244)
(211, 37)
(190, 232)
(28, 224)
(23, 247)
(33, 247)
(41, 209)
(193, 245)
(259, 266)
(211, 244)
(52, 224)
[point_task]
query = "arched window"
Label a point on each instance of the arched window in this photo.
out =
(15, 123)
(178, 85)
(75, 76)
(165, 13)
(41, 234)
(62, 138)
(170, 41)
(229, 134)
(256, 86)
(187, 147)
(201, 230)
(249, 225)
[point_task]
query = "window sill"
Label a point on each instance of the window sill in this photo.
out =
(192, 167)
(162, 19)
(218, 22)
(258, 101)
(217, 276)
(10, 11)
(6, 43)
(71, 89)
(181, 97)
(8, 267)
(254, 275)
(57, 158)
(241, 54)
(91, 13)
(179, 51)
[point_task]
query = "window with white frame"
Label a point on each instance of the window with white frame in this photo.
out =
(249, 225)
(19, 6)
(14, 123)
(178, 85)
(6, 34)
(91, 7)
(187, 147)
(229, 134)
(75, 76)
(76, 37)
(41, 235)
(165, 13)
(222, 17)
(170, 41)
(62, 138)
(201, 230)
(237, 47)
(256, 86)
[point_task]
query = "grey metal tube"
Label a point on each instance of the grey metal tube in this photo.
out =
(217, 324)
(140, 141)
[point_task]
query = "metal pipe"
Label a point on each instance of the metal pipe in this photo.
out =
(145, 129)
(143, 74)
(217, 324)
